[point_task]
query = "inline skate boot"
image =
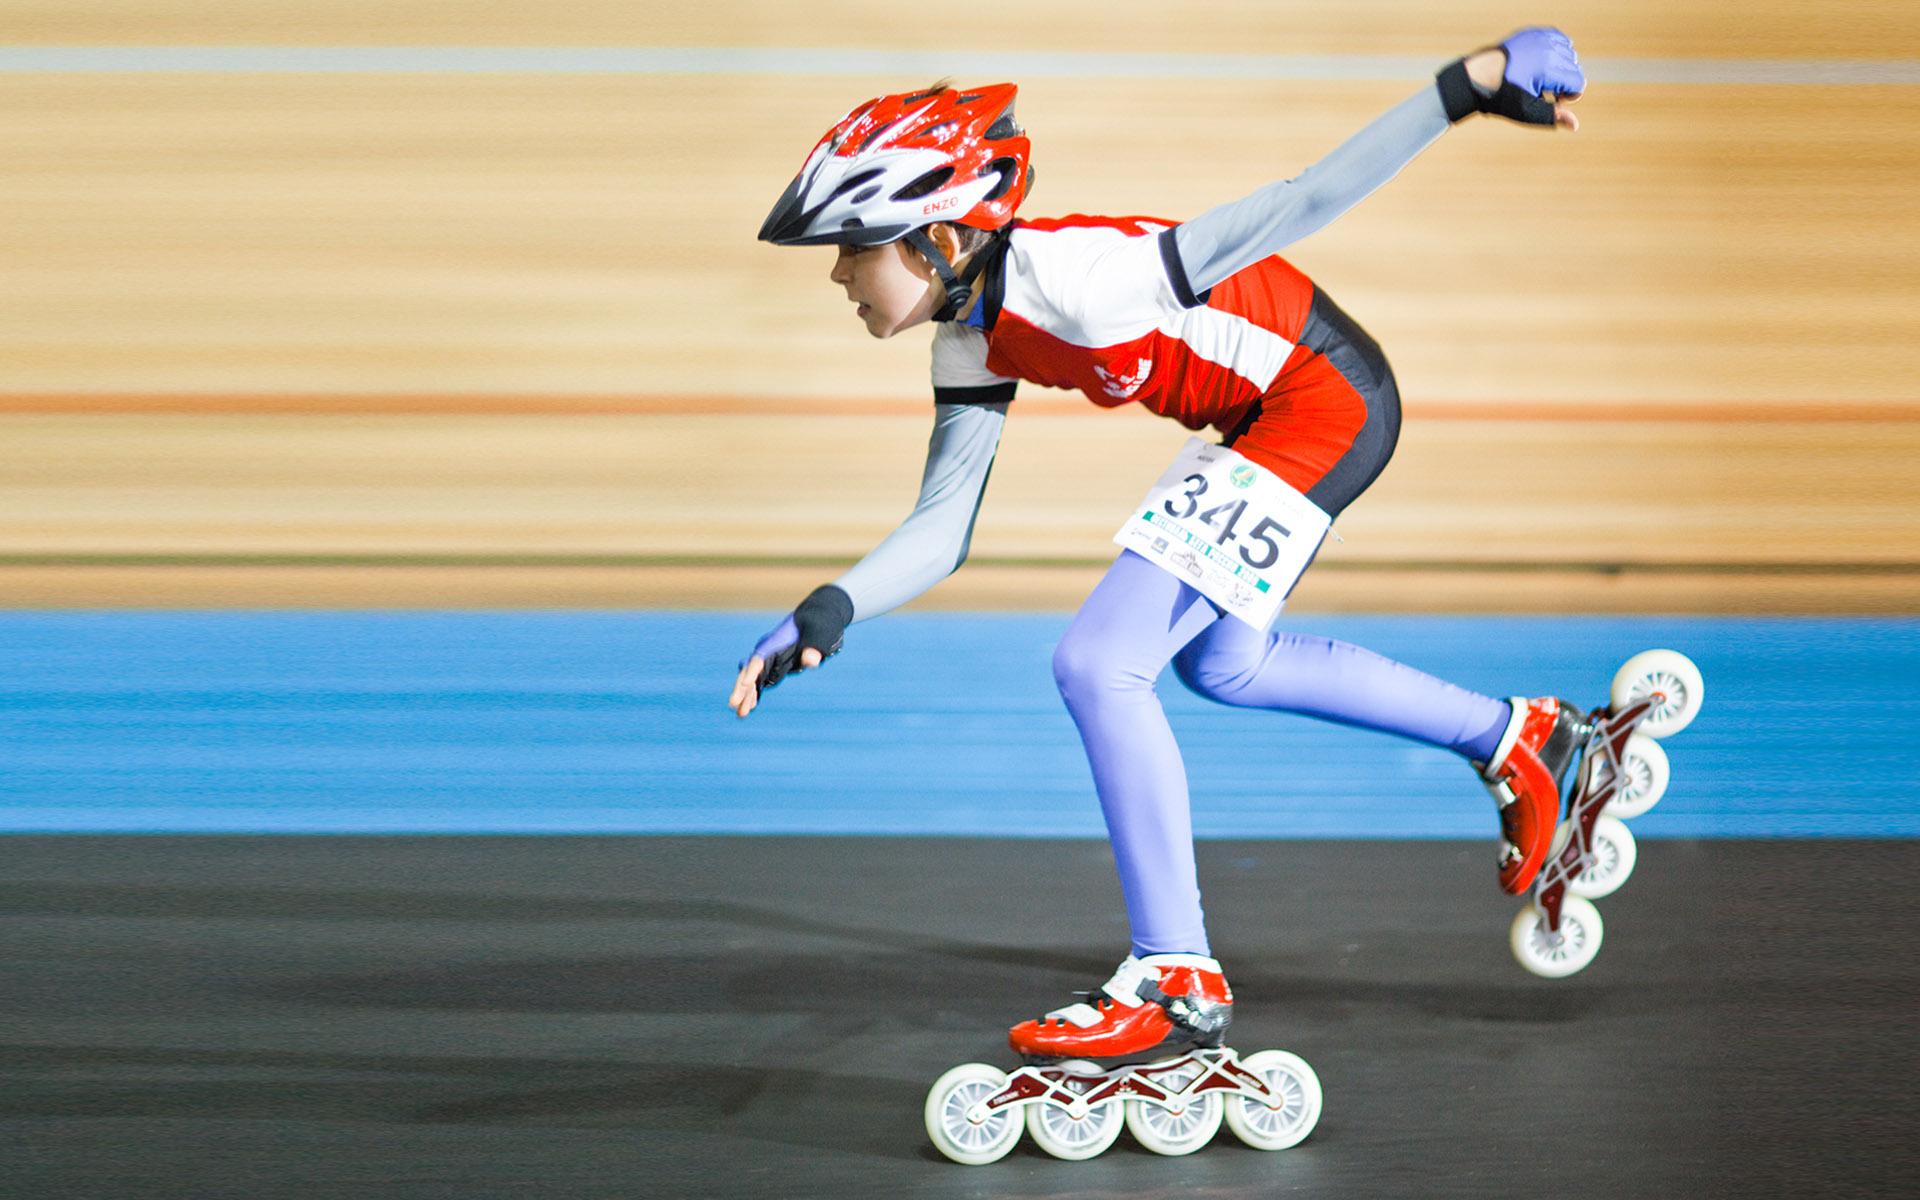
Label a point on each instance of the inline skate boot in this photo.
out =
(1159, 998)
(1524, 776)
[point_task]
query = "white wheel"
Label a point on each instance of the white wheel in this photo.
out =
(1668, 674)
(1286, 1123)
(1613, 858)
(1580, 934)
(1647, 775)
(1182, 1129)
(1561, 834)
(1060, 1133)
(960, 1133)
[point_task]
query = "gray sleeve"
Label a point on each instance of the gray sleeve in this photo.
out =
(932, 542)
(1225, 240)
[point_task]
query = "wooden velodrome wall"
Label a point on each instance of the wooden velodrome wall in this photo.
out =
(418, 337)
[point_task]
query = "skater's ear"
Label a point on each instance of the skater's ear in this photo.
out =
(958, 242)
(946, 240)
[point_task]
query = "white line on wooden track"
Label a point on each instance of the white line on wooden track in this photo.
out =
(650, 60)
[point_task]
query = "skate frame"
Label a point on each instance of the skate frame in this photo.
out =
(1607, 738)
(1220, 1071)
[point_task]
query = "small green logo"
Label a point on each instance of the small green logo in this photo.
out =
(1242, 475)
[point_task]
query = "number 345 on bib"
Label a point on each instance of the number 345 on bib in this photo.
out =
(1229, 528)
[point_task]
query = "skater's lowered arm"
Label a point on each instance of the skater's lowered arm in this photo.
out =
(932, 542)
(927, 547)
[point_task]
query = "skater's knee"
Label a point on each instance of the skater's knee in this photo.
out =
(1076, 664)
(1085, 667)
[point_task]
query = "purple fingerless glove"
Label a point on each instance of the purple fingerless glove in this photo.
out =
(1542, 60)
(819, 623)
(783, 636)
(1538, 60)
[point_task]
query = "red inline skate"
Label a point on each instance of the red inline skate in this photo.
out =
(1622, 773)
(1075, 1109)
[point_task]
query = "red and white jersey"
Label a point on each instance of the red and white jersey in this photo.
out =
(1198, 322)
(1088, 303)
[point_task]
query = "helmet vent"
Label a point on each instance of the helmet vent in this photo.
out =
(853, 181)
(1005, 127)
(866, 194)
(877, 131)
(932, 181)
(1009, 172)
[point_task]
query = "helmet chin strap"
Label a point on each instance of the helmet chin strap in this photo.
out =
(959, 286)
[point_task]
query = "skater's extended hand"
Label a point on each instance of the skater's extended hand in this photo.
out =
(746, 689)
(809, 636)
(1535, 63)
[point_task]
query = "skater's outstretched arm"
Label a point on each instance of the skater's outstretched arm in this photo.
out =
(1226, 240)
(927, 547)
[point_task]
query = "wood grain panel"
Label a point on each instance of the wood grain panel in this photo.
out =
(370, 287)
(589, 510)
(1484, 491)
(1763, 28)
(548, 235)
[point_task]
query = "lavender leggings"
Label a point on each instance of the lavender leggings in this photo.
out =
(1139, 618)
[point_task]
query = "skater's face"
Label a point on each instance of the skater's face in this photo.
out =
(893, 287)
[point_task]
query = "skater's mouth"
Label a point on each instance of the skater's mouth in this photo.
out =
(863, 310)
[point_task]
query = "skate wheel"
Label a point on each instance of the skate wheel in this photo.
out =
(1185, 1126)
(1669, 674)
(1562, 833)
(1613, 858)
(1185, 1122)
(1296, 1110)
(1579, 941)
(1062, 1134)
(1647, 775)
(958, 1132)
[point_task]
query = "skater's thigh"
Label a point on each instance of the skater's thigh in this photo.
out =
(1225, 651)
(1134, 621)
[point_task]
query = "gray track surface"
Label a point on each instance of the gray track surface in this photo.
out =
(746, 1017)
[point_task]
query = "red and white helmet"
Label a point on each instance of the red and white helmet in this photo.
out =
(899, 163)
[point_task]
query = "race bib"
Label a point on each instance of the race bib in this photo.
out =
(1228, 527)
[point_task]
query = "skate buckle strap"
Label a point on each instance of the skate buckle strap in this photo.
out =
(1125, 985)
(1201, 1018)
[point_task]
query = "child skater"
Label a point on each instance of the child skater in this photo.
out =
(1199, 322)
